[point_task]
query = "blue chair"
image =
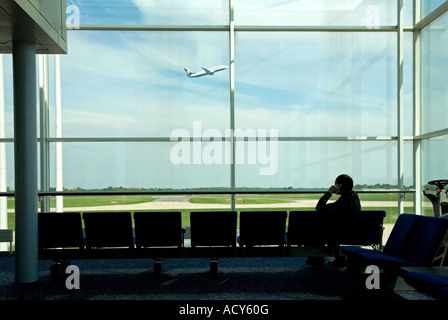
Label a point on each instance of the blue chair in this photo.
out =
(396, 244)
(433, 284)
(423, 245)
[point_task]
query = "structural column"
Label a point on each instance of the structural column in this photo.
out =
(25, 148)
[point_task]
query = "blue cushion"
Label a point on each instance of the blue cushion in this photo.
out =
(399, 237)
(383, 260)
(426, 240)
(354, 251)
(443, 292)
(425, 281)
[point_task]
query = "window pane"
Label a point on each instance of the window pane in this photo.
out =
(434, 70)
(408, 12)
(428, 6)
(7, 127)
(7, 166)
(133, 84)
(149, 12)
(434, 155)
(314, 164)
(138, 165)
(316, 83)
(368, 13)
(408, 85)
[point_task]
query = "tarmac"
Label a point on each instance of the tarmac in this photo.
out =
(183, 202)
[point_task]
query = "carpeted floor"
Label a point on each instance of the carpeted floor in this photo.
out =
(275, 288)
(189, 279)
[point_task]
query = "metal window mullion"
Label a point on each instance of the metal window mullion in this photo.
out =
(44, 131)
(400, 140)
(58, 116)
(417, 111)
(3, 165)
(434, 15)
(432, 134)
(232, 97)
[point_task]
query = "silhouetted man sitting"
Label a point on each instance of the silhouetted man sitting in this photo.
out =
(348, 200)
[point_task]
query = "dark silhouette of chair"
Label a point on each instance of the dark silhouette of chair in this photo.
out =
(354, 227)
(108, 229)
(158, 229)
(414, 241)
(398, 240)
(305, 228)
(262, 228)
(421, 249)
(432, 283)
(396, 243)
(60, 230)
(213, 228)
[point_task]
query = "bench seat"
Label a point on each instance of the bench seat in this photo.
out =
(159, 235)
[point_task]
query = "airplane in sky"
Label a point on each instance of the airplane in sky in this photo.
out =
(205, 71)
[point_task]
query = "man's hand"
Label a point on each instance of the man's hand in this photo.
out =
(333, 189)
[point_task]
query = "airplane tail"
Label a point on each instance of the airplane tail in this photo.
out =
(188, 72)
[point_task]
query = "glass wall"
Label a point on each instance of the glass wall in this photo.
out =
(149, 12)
(317, 84)
(293, 90)
(434, 67)
(434, 99)
(133, 84)
(428, 6)
(310, 91)
(147, 165)
(316, 13)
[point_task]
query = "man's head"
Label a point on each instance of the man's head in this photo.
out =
(344, 182)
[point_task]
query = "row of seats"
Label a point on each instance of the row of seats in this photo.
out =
(211, 228)
(414, 241)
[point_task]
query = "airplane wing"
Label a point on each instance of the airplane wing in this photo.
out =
(209, 71)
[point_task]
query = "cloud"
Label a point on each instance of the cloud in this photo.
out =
(179, 12)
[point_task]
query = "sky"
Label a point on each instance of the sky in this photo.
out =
(132, 85)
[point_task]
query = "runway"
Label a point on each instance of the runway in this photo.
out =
(183, 203)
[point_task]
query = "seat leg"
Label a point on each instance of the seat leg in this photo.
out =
(58, 269)
(158, 267)
(214, 267)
